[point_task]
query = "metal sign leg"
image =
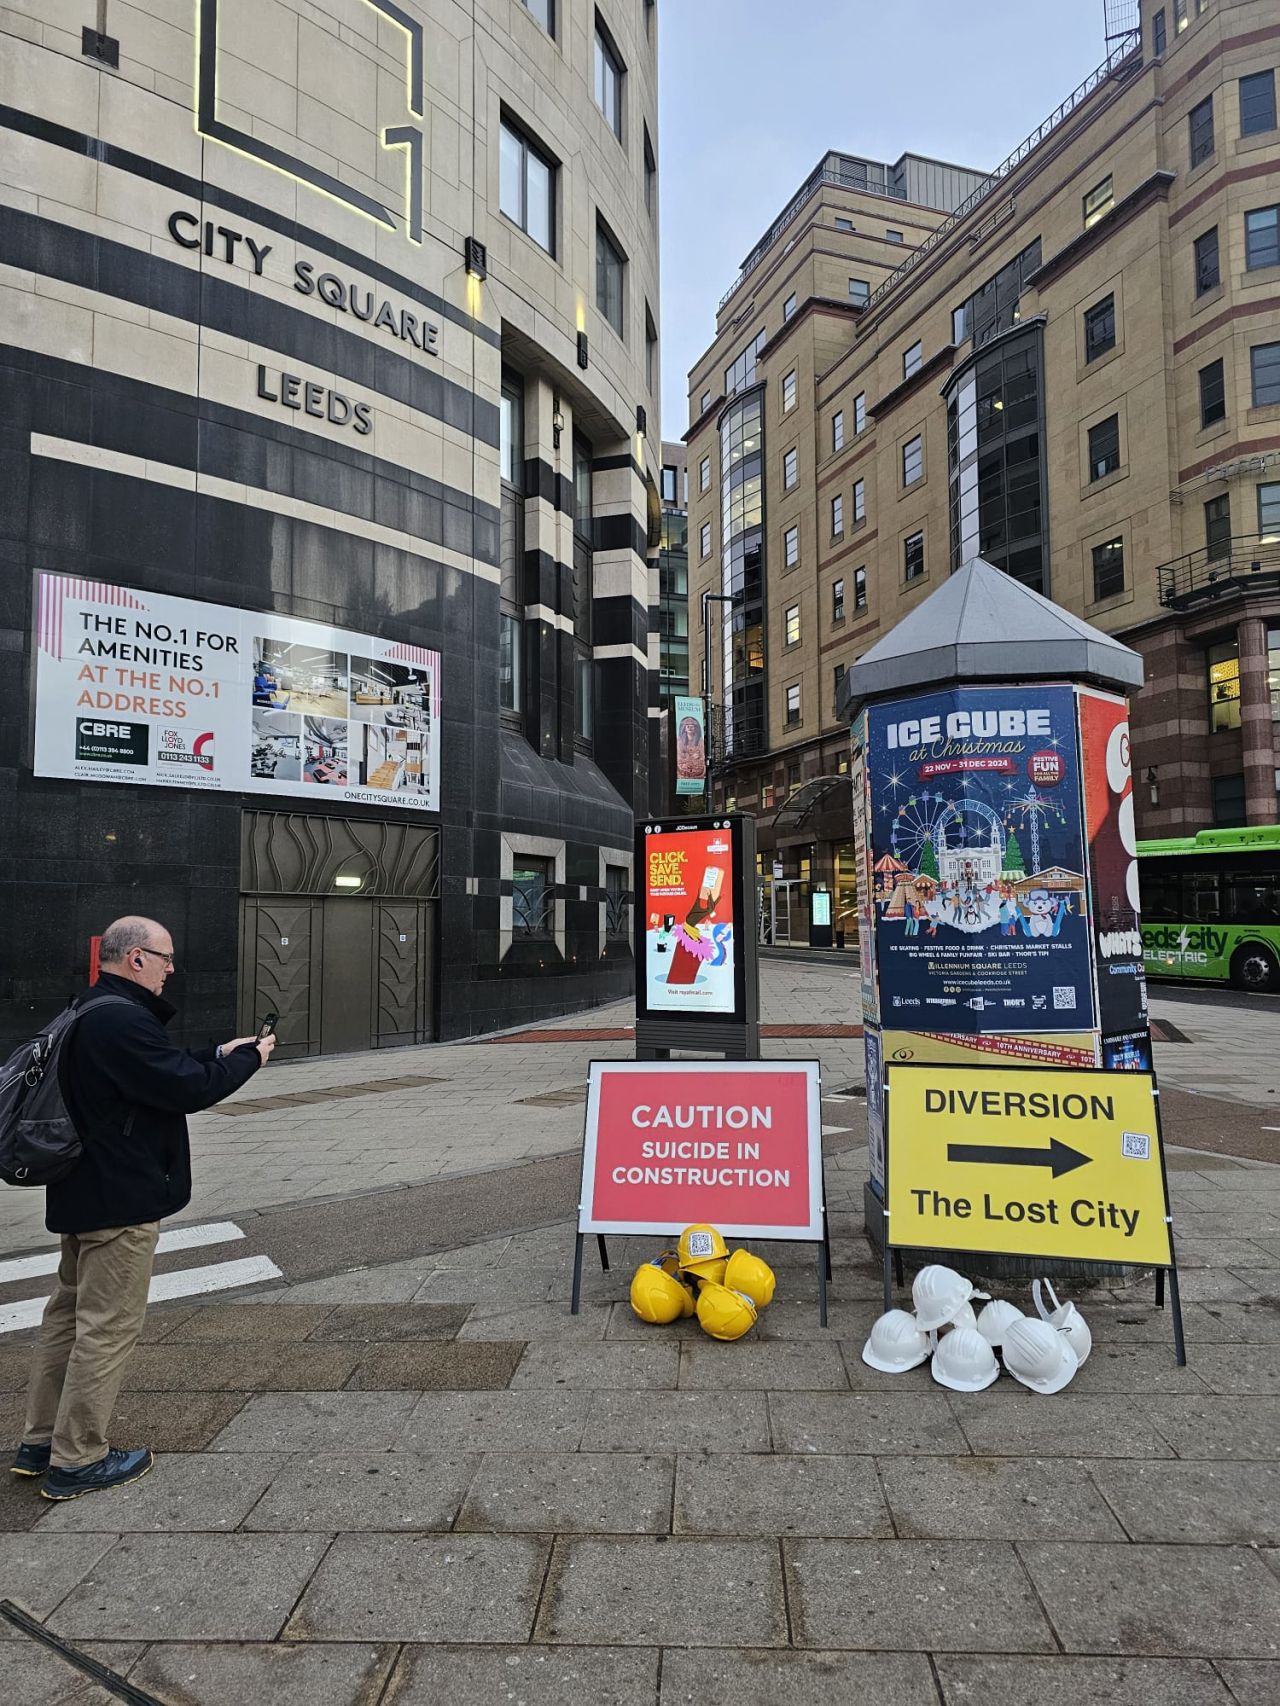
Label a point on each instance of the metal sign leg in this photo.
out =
(824, 1270)
(1159, 1288)
(604, 1251)
(1179, 1343)
(576, 1296)
(888, 1278)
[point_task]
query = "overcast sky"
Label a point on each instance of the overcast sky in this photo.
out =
(753, 93)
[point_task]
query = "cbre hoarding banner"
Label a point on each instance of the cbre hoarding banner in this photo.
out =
(142, 688)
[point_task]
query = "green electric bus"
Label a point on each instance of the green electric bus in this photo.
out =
(1211, 906)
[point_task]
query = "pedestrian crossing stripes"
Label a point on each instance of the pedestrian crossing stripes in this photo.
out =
(182, 1282)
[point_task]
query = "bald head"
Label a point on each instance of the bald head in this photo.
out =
(138, 949)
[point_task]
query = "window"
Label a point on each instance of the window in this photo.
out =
(608, 83)
(793, 781)
(650, 177)
(789, 306)
(1262, 238)
(859, 589)
(532, 906)
(509, 660)
(960, 323)
(793, 709)
(704, 474)
(1269, 522)
(993, 307)
(837, 601)
(650, 351)
(616, 922)
(859, 292)
(704, 402)
(843, 224)
(704, 539)
(837, 682)
(913, 557)
(1100, 199)
(893, 236)
(837, 516)
(911, 360)
(1264, 365)
(1207, 273)
(791, 547)
(668, 485)
(912, 460)
(610, 267)
(767, 795)
(511, 432)
(1157, 33)
(859, 500)
(1100, 328)
(1200, 124)
(860, 412)
(1104, 448)
(1213, 394)
(1257, 103)
(837, 430)
(790, 469)
(1223, 663)
(793, 624)
(526, 187)
(584, 691)
(789, 390)
(1228, 805)
(1217, 528)
(544, 11)
(1108, 569)
(742, 369)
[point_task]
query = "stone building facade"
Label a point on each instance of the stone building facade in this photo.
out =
(341, 311)
(1069, 366)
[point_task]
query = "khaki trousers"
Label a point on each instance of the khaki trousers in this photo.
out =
(87, 1335)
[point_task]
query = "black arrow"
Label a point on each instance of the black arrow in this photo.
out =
(1059, 1156)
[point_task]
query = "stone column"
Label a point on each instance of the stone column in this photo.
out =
(1257, 739)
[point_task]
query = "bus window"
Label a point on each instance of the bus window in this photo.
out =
(1200, 897)
(1252, 901)
(1159, 896)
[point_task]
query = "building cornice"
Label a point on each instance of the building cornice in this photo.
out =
(927, 370)
(1151, 190)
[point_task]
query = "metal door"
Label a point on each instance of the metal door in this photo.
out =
(404, 952)
(346, 976)
(782, 912)
(280, 945)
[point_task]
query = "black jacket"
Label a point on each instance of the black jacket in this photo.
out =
(118, 1061)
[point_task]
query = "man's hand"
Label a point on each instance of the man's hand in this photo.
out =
(265, 1045)
(236, 1042)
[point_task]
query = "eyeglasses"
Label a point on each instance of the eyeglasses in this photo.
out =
(167, 958)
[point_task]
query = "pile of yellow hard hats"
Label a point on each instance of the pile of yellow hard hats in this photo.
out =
(731, 1289)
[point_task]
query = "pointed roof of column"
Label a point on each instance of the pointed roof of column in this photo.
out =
(982, 625)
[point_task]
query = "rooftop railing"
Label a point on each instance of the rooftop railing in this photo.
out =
(1248, 562)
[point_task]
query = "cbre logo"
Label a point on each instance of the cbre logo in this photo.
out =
(408, 136)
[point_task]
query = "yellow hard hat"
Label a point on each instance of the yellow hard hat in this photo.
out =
(701, 1247)
(658, 1296)
(745, 1272)
(723, 1313)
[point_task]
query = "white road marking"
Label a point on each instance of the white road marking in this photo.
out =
(188, 1282)
(181, 1238)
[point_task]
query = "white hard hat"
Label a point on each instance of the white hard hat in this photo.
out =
(996, 1320)
(939, 1294)
(896, 1343)
(964, 1317)
(1038, 1355)
(964, 1361)
(1067, 1319)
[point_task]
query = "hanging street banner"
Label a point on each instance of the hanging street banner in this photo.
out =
(738, 1144)
(691, 896)
(1113, 881)
(1024, 1162)
(1028, 1048)
(142, 688)
(691, 745)
(978, 862)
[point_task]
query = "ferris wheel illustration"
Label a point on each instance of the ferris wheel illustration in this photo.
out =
(913, 825)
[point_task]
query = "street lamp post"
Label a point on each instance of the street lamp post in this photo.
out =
(708, 599)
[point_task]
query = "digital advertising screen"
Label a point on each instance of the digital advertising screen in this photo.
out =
(689, 953)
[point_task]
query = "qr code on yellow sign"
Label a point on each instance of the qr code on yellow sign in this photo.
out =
(1136, 1146)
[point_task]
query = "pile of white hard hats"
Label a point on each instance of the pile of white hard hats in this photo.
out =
(1042, 1351)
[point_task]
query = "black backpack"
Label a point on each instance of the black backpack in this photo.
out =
(39, 1143)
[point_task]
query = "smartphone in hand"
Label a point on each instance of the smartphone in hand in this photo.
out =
(268, 1025)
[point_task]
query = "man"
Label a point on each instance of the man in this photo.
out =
(128, 1090)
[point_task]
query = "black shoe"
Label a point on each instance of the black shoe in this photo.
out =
(31, 1459)
(116, 1469)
